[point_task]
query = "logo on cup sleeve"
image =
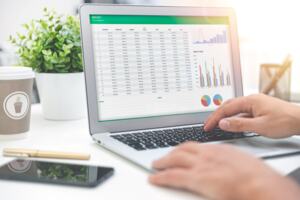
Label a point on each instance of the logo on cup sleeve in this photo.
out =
(16, 105)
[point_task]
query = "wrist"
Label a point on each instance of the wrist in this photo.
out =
(294, 120)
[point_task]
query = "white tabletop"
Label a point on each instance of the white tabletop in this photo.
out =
(129, 181)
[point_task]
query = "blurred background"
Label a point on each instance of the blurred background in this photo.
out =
(268, 29)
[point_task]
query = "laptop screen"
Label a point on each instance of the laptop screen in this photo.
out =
(148, 66)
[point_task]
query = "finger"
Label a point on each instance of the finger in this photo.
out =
(179, 159)
(211, 115)
(210, 121)
(190, 147)
(244, 115)
(239, 124)
(177, 178)
(235, 106)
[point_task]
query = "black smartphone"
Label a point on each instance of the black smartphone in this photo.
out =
(57, 173)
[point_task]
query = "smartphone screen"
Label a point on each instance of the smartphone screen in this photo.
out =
(58, 173)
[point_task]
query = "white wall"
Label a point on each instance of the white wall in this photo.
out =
(14, 13)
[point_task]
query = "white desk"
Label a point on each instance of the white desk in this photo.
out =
(129, 181)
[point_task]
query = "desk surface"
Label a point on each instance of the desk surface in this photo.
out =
(129, 181)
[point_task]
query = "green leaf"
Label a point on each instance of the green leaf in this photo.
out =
(21, 37)
(43, 24)
(26, 26)
(58, 28)
(46, 52)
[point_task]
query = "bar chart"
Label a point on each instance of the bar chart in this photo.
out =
(218, 38)
(213, 75)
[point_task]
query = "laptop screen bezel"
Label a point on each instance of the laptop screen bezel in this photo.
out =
(89, 68)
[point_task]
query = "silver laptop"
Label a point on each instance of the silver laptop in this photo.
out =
(153, 75)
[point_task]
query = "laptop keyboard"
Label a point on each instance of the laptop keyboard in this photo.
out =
(171, 137)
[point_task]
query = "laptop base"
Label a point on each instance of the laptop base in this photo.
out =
(258, 146)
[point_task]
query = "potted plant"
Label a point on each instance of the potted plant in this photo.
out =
(51, 46)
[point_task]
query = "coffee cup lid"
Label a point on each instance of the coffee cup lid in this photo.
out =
(15, 73)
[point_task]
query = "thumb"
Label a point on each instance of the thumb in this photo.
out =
(238, 124)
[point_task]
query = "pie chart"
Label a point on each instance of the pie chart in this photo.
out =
(205, 100)
(218, 99)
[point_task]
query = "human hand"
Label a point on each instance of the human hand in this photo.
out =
(221, 172)
(259, 113)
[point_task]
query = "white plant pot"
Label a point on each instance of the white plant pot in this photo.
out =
(62, 95)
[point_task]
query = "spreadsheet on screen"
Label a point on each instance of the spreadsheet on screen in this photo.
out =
(160, 65)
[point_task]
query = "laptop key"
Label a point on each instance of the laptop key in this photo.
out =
(169, 131)
(172, 143)
(162, 144)
(139, 147)
(151, 146)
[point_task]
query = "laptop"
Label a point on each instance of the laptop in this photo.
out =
(153, 75)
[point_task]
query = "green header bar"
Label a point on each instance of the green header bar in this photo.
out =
(141, 19)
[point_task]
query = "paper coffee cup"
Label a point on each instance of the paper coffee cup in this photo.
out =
(15, 101)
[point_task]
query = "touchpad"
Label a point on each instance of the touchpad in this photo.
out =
(265, 147)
